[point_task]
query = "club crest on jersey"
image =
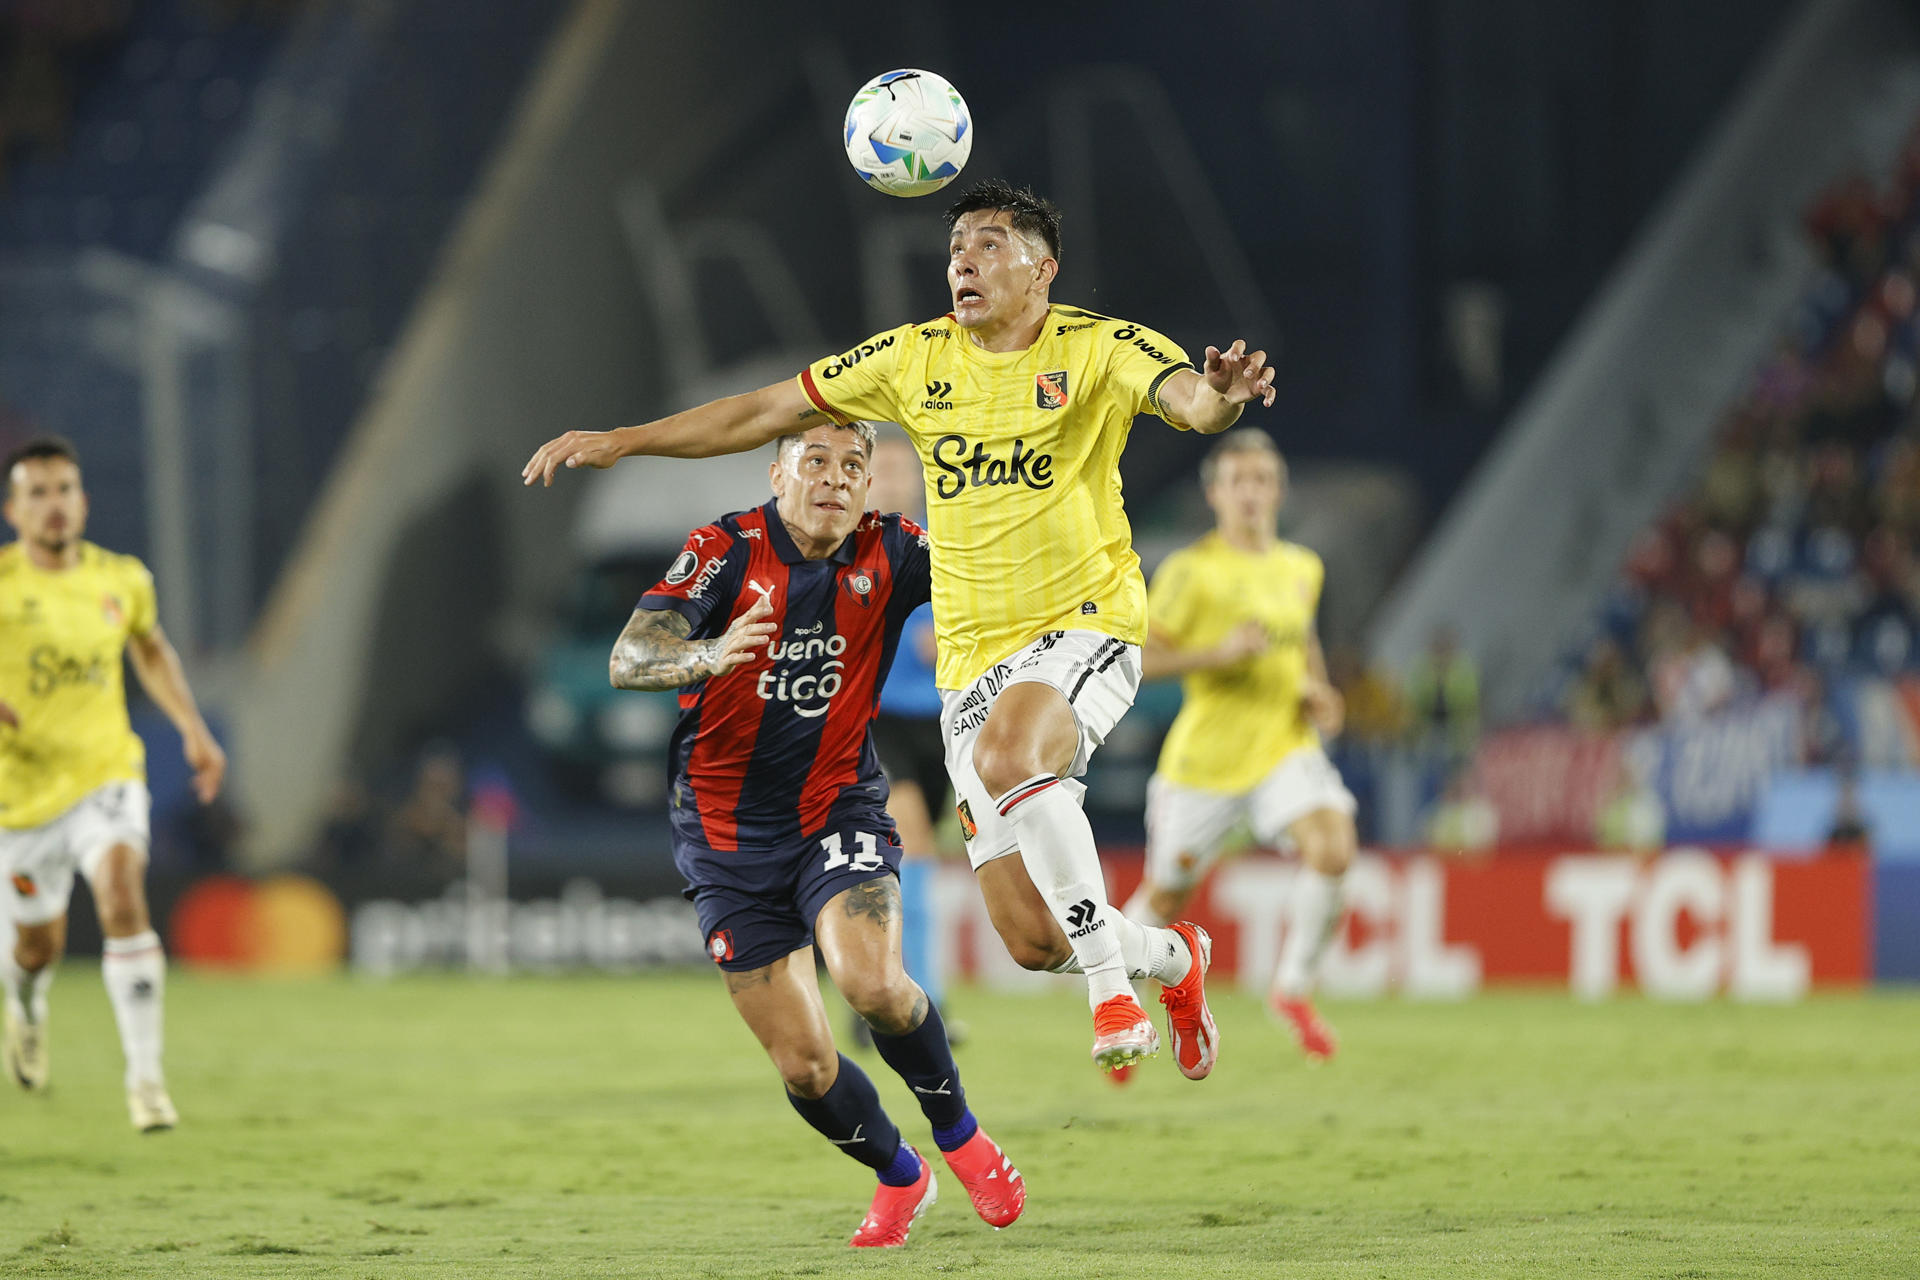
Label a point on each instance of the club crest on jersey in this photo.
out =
(1050, 389)
(110, 610)
(968, 827)
(23, 884)
(720, 945)
(682, 568)
(859, 585)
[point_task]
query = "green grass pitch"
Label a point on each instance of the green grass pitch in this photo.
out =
(589, 1127)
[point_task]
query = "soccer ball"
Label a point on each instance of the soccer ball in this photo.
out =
(908, 132)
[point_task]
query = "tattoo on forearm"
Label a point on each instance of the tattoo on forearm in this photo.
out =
(654, 652)
(809, 413)
(877, 900)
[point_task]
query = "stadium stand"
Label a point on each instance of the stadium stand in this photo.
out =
(1791, 565)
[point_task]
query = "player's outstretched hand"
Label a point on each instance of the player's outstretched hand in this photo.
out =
(7, 717)
(1326, 706)
(574, 449)
(749, 631)
(209, 765)
(1238, 375)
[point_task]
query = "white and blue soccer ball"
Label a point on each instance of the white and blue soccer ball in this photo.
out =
(908, 132)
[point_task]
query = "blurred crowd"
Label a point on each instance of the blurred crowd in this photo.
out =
(40, 43)
(46, 47)
(1792, 564)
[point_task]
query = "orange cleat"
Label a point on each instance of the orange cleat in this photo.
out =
(891, 1215)
(1122, 1033)
(997, 1190)
(1196, 1040)
(1315, 1038)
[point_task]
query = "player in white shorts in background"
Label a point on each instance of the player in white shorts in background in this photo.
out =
(73, 792)
(1233, 616)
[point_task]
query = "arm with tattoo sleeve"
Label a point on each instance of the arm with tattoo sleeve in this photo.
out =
(653, 651)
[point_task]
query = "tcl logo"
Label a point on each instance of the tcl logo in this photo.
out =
(1693, 927)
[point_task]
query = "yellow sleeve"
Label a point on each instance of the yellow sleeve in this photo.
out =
(860, 382)
(1175, 598)
(143, 610)
(1140, 363)
(1316, 574)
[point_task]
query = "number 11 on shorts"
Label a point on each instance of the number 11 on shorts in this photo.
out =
(867, 859)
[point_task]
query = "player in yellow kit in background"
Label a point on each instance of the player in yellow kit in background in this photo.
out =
(1233, 616)
(73, 789)
(1019, 408)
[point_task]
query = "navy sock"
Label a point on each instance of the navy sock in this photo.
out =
(905, 1169)
(955, 1136)
(924, 1060)
(849, 1115)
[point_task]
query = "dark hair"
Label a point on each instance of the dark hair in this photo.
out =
(1034, 215)
(862, 431)
(38, 448)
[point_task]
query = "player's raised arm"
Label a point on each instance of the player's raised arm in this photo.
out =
(1161, 658)
(165, 681)
(1210, 401)
(653, 652)
(732, 424)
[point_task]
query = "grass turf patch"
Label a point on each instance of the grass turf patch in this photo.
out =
(631, 1127)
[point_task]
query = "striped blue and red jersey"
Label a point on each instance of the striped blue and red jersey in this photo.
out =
(778, 749)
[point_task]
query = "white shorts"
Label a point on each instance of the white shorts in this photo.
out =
(1097, 674)
(38, 862)
(1186, 827)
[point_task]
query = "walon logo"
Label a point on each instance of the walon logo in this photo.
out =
(938, 394)
(1081, 916)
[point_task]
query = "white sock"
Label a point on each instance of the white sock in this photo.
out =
(26, 990)
(1057, 844)
(1313, 913)
(1148, 951)
(135, 972)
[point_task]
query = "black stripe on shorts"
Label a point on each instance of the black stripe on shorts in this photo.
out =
(1096, 664)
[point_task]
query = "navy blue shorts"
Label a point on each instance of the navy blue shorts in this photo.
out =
(757, 905)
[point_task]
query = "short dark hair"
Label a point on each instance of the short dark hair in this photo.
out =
(1237, 440)
(1033, 215)
(862, 431)
(37, 449)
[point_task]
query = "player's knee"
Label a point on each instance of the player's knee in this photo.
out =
(809, 1072)
(1331, 850)
(1041, 955)
(886, 1002)
(122, 906)
(123, 918)
(1010, 750)
(1002, 763)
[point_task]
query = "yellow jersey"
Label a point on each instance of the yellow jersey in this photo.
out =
(1021, 451)
(1237, 722)
(63, 635)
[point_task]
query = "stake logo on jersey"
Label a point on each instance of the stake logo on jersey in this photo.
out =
(1021, 452)
(778, 747)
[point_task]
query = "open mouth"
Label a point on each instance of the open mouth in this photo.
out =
(969, 295)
